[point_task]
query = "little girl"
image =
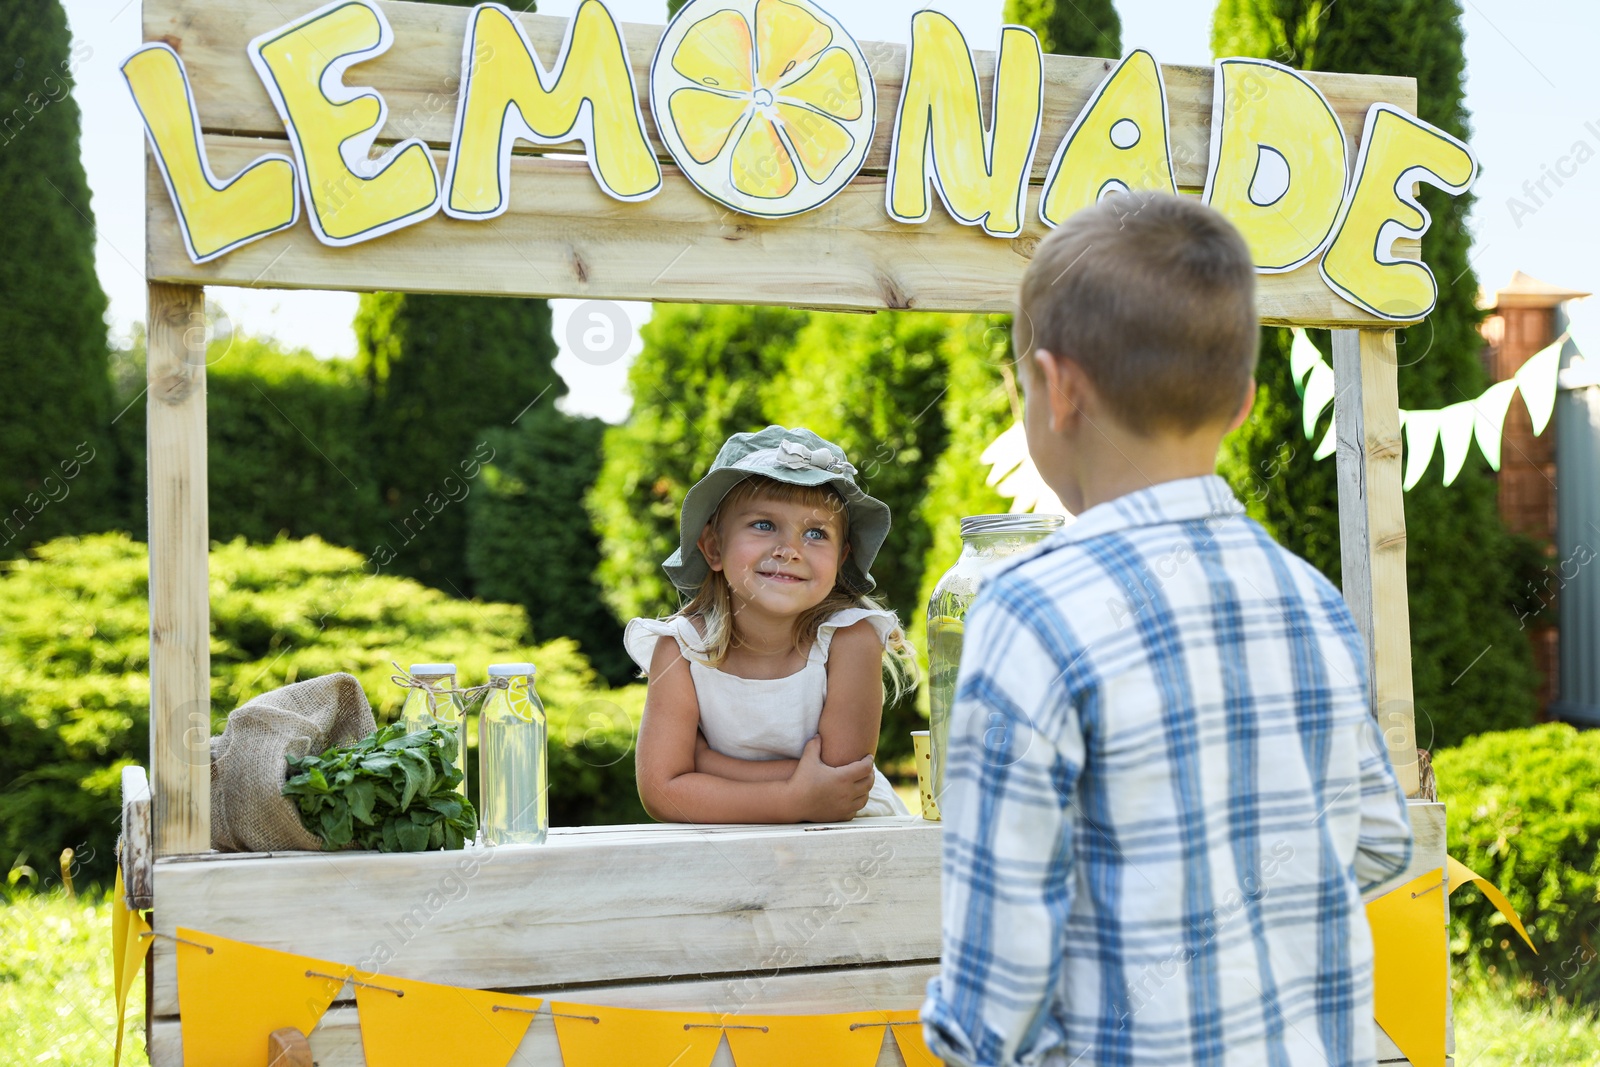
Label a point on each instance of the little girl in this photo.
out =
(766, 689)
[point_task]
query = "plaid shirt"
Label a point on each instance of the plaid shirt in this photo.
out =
(1165, 797)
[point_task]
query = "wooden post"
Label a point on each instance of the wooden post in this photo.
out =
(180, 616)
(1372, 530)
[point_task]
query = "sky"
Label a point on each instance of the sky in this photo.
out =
(1535, 121)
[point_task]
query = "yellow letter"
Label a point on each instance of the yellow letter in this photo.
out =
(1117, 143)
(1397, 150)
(507, 95)
(981, 175)
(1277, 167)
(214, 217)
(332, 126)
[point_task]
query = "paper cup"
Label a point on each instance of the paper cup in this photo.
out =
(921, 744)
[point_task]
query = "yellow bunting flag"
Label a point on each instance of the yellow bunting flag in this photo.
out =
(906, 1027)
(231, 996)
(1410, 972)
(593, 1036)
(1461, 874)
(844, 1040)
(130, 944)
(405, 1022)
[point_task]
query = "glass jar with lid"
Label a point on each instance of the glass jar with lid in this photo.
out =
(513, 803)
(438, 702)
(985, 541)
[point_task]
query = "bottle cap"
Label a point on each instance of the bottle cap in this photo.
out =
(433, 669)
(511, 670)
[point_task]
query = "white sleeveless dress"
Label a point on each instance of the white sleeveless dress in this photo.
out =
(764, 718)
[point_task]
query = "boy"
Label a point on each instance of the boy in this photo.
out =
(1166, 793)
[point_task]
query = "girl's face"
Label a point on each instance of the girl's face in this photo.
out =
(779, 557)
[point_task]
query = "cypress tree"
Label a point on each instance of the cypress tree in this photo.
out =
(1472, 667)
(58, 456)
(1071, 27)
(442, 370)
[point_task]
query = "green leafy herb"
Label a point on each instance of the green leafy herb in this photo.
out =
(392, 791)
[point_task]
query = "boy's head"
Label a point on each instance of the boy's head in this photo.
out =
(1140, 313)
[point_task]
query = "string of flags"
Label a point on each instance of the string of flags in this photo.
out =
(1452, 429)
(232, 995)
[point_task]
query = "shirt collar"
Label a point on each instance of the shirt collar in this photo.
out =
(1184, 500)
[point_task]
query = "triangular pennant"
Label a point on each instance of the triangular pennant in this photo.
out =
(1536, 380)
(1410, 975)
(1422, 438)
(231, 996)
(1319, 394)
(1461, 874)
(405, 1022)
(1456, 423)
(130, 944)
(907, 1030)
(593, 1036)
(1490, 420)
(1330, 442)
(845, 1040)
(1303, 356)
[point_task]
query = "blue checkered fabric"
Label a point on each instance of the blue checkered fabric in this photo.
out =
(1165, 797)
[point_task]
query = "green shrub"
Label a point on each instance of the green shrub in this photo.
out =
(1524, 812)
(74, 676)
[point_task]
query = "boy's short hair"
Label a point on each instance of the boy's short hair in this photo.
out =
(1153, 296)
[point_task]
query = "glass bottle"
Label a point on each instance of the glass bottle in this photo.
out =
(513, 805)
(442, 706)
(985, 540)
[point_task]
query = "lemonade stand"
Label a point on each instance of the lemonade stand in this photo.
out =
(750, 152)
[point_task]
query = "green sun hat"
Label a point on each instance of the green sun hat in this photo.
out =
(798, 457)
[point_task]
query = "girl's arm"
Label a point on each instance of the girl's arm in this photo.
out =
(853, 711)
(708, 760)
(673, 791)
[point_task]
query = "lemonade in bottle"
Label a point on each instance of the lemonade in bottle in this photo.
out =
(437, 703)
(512, 799)
(985, 541)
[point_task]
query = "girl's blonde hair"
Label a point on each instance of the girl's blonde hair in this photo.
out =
(712, 603)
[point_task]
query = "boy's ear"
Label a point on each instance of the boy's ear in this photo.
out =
(709, 547)
(1243, 414)
(1065, 385)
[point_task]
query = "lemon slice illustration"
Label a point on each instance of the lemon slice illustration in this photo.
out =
(767, 105)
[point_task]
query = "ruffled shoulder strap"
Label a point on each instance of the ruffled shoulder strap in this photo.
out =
(885, 622)
(640, 636)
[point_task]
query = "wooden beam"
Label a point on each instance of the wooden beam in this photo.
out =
(420, 74)
(134, 852)
(563, 237)
(180, 617)
(1372, 531)
(288, 1048)
(639, 907)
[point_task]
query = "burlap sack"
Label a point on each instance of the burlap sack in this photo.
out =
(249, 812)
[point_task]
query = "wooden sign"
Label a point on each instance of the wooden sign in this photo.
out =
(752, 151)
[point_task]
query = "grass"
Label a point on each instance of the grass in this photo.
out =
(56, 1002)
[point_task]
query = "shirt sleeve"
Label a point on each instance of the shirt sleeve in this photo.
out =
(1384, 841)
(1016, 750)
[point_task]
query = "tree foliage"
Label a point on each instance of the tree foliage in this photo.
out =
(59, 469)
(1462, 564)
(75, 683)
(441, 370)
(530, 541)
(1071, 27)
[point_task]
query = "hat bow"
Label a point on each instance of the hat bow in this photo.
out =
(796, 456)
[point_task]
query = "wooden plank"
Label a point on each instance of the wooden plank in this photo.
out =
(180, 619)
(420, 74)
(337, 1041)
(134, 851)
(1372, 531)
(289, 1048)
(563, 237)
(588, 911)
